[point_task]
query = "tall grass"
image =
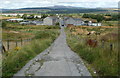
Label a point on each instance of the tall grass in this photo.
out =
(46, 34)
(15, 60)
(102, 59)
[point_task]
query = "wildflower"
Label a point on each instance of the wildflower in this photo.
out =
(17, 48)
(94, 72)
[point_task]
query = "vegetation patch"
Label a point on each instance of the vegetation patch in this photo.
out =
(103, 58)
(14, 60)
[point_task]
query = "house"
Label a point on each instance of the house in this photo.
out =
(61, 22)
(37, 16)
(74, 21)
(95, 24)
(36, 22)
(25, 23)
(16, 20)
(12, 14)
(92, 23)
(51, 20)
(28, 23)
(33, 16)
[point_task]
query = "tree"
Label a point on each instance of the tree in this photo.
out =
(4, 24)
(24, 16)
(57, 24)
(31, 16)
(18, 15)
(115, 17)
(86, 22)
(44, 16)
(85, 16)
(99, 18)
(52, 14)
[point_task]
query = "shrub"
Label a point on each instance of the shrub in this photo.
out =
(52, 27)
(4, 25)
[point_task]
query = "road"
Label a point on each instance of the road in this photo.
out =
(57, 60)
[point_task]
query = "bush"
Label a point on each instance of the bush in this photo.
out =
(4, 24)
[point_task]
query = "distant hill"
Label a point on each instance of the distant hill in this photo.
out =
(55, 10)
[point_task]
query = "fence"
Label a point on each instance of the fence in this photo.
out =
(8, 44)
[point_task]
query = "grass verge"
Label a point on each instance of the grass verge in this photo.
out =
(100, 60)
(13, 61)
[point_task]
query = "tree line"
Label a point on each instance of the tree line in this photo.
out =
(101, 17)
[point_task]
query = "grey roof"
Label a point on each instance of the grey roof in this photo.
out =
(38, 22)
(76, 19)
(65, 18)
(53, 17)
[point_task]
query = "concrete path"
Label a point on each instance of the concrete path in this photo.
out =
(57, 60)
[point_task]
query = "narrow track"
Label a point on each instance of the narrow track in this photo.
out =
(57, 60)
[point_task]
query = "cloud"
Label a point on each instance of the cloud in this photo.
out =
(7, 2)
(12, 4)
(87, 0)
(90, 4)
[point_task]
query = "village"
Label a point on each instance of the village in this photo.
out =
(84, 44)
(52, 20)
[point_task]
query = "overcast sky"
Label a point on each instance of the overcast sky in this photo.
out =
(15, 4)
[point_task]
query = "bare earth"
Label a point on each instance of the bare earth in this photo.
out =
(57, 60)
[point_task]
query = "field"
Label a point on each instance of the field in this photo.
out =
(110, 23)
(14, 31)
(4, 17)
(15, 58)
(97, 46)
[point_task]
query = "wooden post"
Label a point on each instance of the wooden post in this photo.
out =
(111, 46)
(102, 43)
(8, 45)
(16, 43)
(21, 41)
(30, 39)
(3, 48)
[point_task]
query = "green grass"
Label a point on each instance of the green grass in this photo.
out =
(102, 59)
(110, 23)
(26, 31)
(13, 36)
(45, 34)
(14, 60)
(17, 27)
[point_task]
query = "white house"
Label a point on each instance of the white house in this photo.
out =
(15, 19)
(92, 23)
(51, 20)
(38, 16)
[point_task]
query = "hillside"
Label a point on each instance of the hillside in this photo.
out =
(55, 10)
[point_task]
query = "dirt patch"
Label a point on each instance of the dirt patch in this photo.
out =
(3, 17)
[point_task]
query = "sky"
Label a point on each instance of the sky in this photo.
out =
(15, 4)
